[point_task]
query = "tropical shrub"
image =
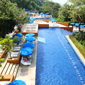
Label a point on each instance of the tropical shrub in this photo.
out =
(10, 14)
(80, 36)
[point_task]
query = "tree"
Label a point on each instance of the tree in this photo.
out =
(1, 60)
(28, 4)
(77, 10)
(7, 43)
(63, 13)
(10, 14)
(50, 7)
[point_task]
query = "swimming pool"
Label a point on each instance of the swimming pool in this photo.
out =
(57, 63)
(32, 20)
(43, 19)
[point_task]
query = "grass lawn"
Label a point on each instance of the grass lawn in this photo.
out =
(80, 47)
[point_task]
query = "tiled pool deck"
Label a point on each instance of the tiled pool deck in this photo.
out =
(28, 73)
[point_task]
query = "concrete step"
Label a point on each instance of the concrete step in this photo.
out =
(16, 70)
(2, 67)
(10, 69)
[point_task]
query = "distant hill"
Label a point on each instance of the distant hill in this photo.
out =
(28, 4)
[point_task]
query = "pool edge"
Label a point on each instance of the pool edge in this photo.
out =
(76, 50)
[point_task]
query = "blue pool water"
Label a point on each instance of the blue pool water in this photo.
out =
(57, 63)
(43, 19)
(32, 20)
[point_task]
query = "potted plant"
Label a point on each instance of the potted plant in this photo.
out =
(7, 43)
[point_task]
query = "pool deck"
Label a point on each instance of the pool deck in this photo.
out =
(28, 73)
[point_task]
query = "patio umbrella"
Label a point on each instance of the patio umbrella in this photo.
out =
(53, 20)
(82, 23)
(30, 39)
(77, 24)
(72, 23)
(41, 13)
(28, 11)
(26, 51)
(16, 39)
(28, 44)
(18, 34)
(47, 13)
(30, 35)
(82, 26)
(17, 82)
(35, 11)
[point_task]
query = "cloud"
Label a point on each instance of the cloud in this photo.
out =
(61, 2)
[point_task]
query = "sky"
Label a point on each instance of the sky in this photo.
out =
(61, 2)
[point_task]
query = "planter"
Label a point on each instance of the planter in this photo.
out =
(8, 78)
(16, 31)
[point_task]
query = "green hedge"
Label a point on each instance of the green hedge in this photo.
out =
(80, 47)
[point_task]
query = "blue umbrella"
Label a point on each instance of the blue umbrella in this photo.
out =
(77, 24)
(29, 49)
(35, 11)
(30, 35)
(82, 26)
(31, 13)
(26, 51)
(16, 39)
(18, 34)
(17, 82)
(53, 20)
(30, 39)
(72, 23)
(28, 11)
(41, 13)
(28, 44)
(47, 13)
(82, 23)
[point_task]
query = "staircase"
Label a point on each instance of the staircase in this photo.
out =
(10, 69)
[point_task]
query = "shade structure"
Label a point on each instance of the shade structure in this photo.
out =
(28, 44)
(77, 24)
(53, 20)
(17, 82)
(82, 26)
(18, 34)
(30, 35)
(35, 11)
(16, 39)
(47, 13)
(82, 23)
(26, 51)
(72, 23)
(41, 13)
(30, 39)
(31, 21)
(31, 13)
(28, 11)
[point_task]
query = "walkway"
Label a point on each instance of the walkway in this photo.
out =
(28, 73)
